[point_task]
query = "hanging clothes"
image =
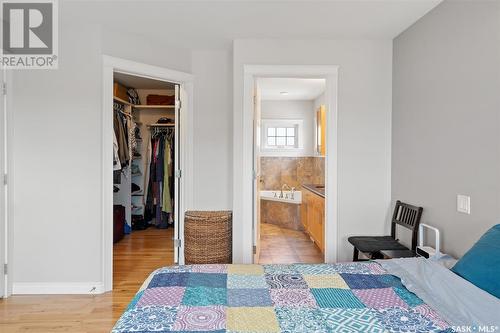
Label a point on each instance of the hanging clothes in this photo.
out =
(159, 182)
(160, 185)
(167, 202)
(146, 171)
(132, 141)
(121, 131)
(116, 157)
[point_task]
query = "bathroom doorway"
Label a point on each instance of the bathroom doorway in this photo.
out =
(289, 162)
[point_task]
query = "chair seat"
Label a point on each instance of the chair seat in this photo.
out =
(371, 244)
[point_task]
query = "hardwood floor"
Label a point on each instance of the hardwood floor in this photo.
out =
(135, 257)
(286, 246)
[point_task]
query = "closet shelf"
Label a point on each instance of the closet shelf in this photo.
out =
(122, 101)
(159, 107)
(161, 125)
(143, 106)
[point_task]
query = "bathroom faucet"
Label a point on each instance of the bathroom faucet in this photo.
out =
(286, 186)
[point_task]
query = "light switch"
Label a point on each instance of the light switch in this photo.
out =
(463, 204)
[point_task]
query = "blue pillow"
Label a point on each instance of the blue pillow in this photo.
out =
(481, 264)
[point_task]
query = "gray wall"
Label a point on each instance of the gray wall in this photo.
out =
(446, 126)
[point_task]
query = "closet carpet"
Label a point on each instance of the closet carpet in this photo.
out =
(135, 257)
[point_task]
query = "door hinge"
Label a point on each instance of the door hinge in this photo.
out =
(4, 88)
(178, 104)
(5, 269)
(5, 179)
(177, 243)
(178, 173)
(254, 249)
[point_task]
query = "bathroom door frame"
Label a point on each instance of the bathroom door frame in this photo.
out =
(243, 187)
(186, 83)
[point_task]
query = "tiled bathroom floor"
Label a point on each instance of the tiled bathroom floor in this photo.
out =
(286, 246)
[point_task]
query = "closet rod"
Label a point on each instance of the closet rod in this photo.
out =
(125, 113)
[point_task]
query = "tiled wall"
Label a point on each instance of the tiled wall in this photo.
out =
(286, 215)
(294, 171)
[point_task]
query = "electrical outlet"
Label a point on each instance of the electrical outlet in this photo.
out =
(463, 204)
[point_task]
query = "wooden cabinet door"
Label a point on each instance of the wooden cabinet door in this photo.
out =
(313, 217)
(303, 210)
(320, 207)
(310, 214)
(316, 217)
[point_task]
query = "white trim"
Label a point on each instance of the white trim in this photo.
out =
(242, 188)
(10, 185)
(303, 71)
(3, 188)
(48, 288)
(110, 65)
(145, 70)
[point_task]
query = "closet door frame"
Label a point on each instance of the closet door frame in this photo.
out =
(177, 177)
(186, 82)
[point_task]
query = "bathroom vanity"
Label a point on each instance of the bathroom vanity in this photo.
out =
(313, 213)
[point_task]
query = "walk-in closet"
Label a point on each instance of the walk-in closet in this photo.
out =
(145, 149)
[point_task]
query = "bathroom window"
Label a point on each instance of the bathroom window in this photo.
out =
(281, 134)
(281, 137)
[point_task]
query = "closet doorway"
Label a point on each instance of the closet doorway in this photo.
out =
(145, 175)
(146, 131)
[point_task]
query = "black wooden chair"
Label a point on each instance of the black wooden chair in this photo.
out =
(405, 215)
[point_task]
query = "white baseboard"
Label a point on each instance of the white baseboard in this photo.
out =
(47, 288)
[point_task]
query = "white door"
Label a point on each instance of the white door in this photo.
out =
(3, 206)
(256, 168)
(177, 175)
(178, 203)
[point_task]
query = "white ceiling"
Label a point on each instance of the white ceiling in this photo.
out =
(297, 89)
(138, 82)
(214, 24)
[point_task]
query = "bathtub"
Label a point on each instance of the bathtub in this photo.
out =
(283, 212)
(287, 196)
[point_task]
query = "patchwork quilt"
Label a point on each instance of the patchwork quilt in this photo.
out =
(348, 297)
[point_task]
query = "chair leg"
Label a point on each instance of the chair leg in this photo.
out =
(355, 256)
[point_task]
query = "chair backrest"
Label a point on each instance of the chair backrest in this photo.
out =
(407, 216)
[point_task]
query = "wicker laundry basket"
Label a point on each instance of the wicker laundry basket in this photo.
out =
(208, 237)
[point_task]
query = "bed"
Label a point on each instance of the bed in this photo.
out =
(344, 297)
